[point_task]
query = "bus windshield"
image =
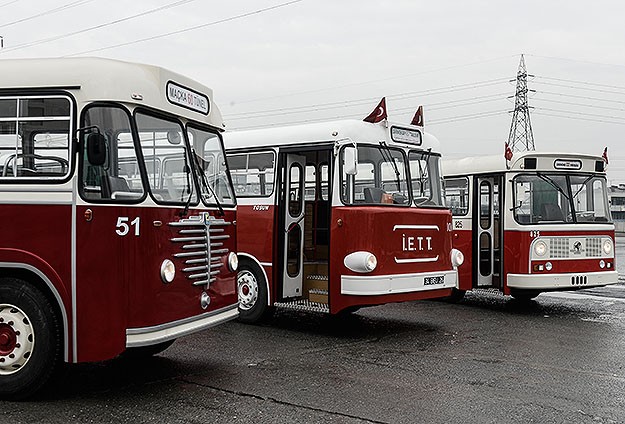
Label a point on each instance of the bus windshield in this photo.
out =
(381, 177)
(426, 178)
(555, 198)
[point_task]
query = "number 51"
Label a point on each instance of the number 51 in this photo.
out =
(123, 228)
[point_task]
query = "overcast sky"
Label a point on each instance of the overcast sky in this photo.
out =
(311, 60)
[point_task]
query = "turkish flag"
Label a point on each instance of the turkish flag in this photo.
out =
(508, 153)
(418, 117)
(379, 113)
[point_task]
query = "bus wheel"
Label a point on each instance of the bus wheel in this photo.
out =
(524, 295)
(146, 351)
(252, 290)
(30, 339)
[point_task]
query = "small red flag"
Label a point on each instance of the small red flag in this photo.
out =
(418, 117)
(508, 153)
(605, 155)
(379, 113)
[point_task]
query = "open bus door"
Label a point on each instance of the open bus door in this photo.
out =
(294, 213)
(489, 231)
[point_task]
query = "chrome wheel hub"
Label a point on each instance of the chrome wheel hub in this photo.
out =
(247, 289)
(17, 339)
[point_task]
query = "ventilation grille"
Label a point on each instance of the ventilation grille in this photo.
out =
(564, 247)
(201, 242)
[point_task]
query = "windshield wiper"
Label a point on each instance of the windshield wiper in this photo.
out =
(391, 159)
(549, 180)
(582, 185)
(204, 181)
(423, 177)
(187, 171)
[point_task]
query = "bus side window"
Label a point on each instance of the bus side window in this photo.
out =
(34, 137)
(457, 195)
(252, 173)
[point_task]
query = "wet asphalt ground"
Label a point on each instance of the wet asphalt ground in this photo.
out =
(488, 359)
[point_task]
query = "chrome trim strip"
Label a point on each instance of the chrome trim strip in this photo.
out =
(73, 267)
(415, 227)
(373, 285)
(416, 260)
(136, 337)
(56, 294)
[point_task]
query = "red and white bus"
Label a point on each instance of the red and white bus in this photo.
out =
(118, 211)
(538, 223)
(338, 215)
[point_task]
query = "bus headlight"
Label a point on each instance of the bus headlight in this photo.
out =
(540, 248)
(457, 258)
(168, 271)
(607, 246)
(233, 262)
(361, 262)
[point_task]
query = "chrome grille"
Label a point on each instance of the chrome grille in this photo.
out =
(559, 247)
(201, 239)
(593, 247)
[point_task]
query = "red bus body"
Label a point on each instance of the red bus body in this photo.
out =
(540, 224)
(323, 269)
(119, 264)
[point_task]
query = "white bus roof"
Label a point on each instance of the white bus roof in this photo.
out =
(97, 79)
(323, 132)
(545, 161)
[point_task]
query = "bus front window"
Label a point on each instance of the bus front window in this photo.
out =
(381, 177)
(550, 198)
(590, 198)
(425, 174)
(211, 161)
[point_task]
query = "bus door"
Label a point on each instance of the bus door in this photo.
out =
(489, 231)
(294, 213)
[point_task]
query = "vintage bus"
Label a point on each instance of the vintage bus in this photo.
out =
(538, 223)
(334, 216)
(116, 239)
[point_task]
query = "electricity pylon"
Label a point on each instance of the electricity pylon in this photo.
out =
(521, 137)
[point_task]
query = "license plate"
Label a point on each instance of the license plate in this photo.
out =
(433, 281)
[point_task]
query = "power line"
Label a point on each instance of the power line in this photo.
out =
(578, 118)
(581, 97)
(8, 3)
(580, 104)
(581, 82)
(82, 31)
(48, 12)
(575, 88)
(363, 101)
(220, 21)
(337, 87)
(581, 114)
(428, 106)
(576, 60)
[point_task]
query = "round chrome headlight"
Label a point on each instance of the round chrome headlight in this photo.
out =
(361, 261)
(233, 262)
(168, 271)
(457, 258)
(371, 262)
(540, 248)
(607, 246)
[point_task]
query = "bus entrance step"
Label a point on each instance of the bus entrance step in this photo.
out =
(304, 305)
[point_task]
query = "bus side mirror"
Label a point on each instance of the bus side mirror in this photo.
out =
(350, 160)
(96, 149)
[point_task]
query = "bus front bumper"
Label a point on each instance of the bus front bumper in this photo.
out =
(373, 285)
(571, 281)
(145, 336)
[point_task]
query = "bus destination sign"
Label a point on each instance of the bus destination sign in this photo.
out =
(567, 164)
(187, 98)
(406, 135)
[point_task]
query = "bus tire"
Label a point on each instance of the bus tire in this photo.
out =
(252, 291)
(524, 295)
(143, 352)
(30, 339)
